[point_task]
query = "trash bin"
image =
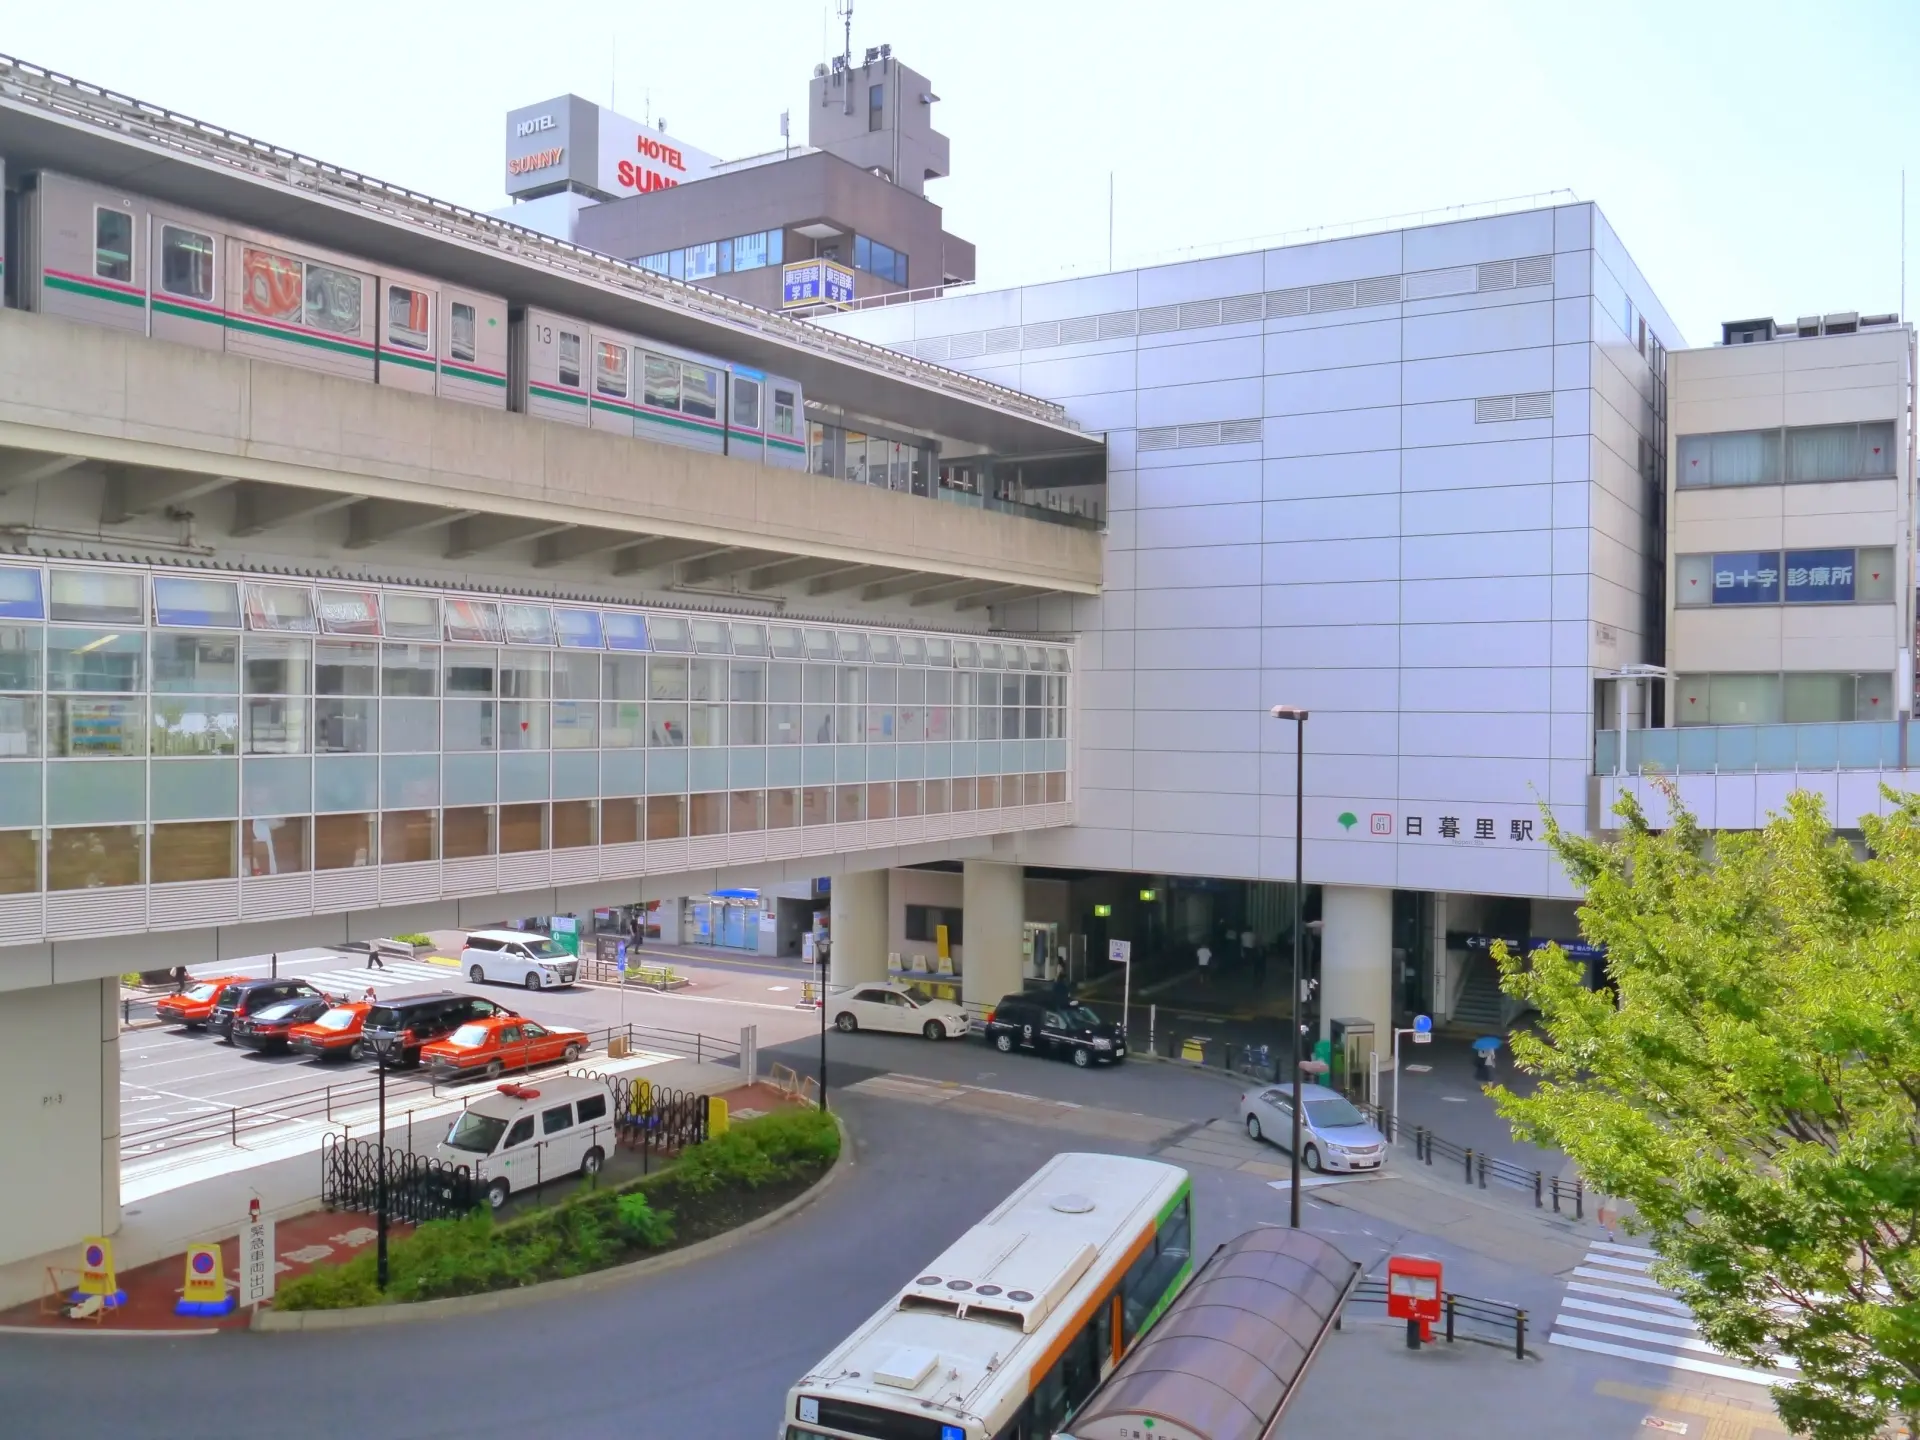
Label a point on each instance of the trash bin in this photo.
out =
(1485, 1051)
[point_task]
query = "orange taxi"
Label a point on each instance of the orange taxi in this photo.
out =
(499, 1043)
(333, 1034)
(192, 1006)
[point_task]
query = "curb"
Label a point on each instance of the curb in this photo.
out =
(458, 1305)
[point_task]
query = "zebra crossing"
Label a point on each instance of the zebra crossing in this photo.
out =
(1613, 1306)
(408, 974)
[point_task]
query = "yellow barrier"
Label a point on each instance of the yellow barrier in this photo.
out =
(716, 1116)
(1194, 1050)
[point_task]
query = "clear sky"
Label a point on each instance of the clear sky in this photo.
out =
(1749, 154)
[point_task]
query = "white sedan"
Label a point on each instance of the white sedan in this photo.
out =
(884, 1005)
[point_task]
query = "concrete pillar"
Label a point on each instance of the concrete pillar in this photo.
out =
(1356, 958)
(60, 1114)
(993, 903)
(858, 928)
(110, 1105)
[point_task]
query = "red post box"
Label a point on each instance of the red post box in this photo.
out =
(1413, 1295)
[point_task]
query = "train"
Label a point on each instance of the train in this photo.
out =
(103, 256)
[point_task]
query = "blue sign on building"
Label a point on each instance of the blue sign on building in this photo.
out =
(1819, 575)
(1747, 579)
(815, 282)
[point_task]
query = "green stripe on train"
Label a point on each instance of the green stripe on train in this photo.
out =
(93, 292)
(548, 394)
(479, 377)
(701, 427)
(412, 362)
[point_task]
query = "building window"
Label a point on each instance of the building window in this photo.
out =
(1811, 453)
(659, 263)
(702, 261)
(924, 922)
(750, 251)
(877, 259)
(1802, 698)
(876, 105)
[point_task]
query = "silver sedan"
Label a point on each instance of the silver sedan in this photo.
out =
(1333, 1135)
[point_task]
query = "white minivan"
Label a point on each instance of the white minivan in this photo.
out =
(517, 957)
(519, 1136)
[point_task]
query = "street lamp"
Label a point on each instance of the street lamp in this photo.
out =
(1299, 717)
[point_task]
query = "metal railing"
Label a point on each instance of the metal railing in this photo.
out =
(139, 121)
(1462, 1314)
(418, 1187)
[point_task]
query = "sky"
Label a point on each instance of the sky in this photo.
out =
(1748, 154)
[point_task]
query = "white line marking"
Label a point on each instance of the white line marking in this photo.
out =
(1669, 1362)
(1615, 1278)
(1635, 1296)
(1616, 1262)
(1638, 1250)
(1621, 1312)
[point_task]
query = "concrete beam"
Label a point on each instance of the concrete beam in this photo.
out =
(472, 534)
(582, 542)
(30, 468)
(370, 522)
(258, 508)
(655, 553)
(946, 590)
(981, 599)
(133, 493)
(717, 567)
(786, 572)
(906, 584)
(848, 579)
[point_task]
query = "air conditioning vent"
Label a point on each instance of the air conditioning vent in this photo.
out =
(1205, 433)
(1338, 296)
(1240, 432)
(1159, 319)
(1534, 270)
(937, 348)
(1041, 336)
(1287, 302)
(1196, 314)
(1119, 325)
(1200, 434)
(1159, 437)
(1533, 407)
(1079, 332)
(1431, 284)
(1490, 408)
(1496, 275)
(1239, 309)
(1381, 290)
(999, 341)
(965, 347)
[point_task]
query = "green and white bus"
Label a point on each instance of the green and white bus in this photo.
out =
(1006, 1334)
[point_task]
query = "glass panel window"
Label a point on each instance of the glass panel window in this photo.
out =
(196, 725)
(1817, 699)
(193, 850)
(573, 824)
(569, 362)
(113, 244)
(786, 643)
(669, 632)
(523, 725)
(707, 815)
(19, 731)
(277, 846)
(333, 299)
(666, 817)
(1873, 697)
(95, 660)
(1820, 577)
(624, 630)
(746, 403)
(463, 332)
(524, 674)
(710, 637)
(726, 256)
(527, 624)
(276, 666)
(19, 862)
(344, 667)
(468, 724)
(1823, 452)
(87, 856)
(610, 369)
(280, 607)
(341, 842)
(186, 263)
(702, 261)
(750, 251)
(274, 725)
(700, 391)
(576, 724)
(20, 594)
(98, 597)
(748, 640)
(409, 836)
(196, 663)
(409, 318)
(411, 617)
(350, 612)
(1873, 575)
(1747, 578)
(474, 620)
(663, 383)
(1876, 449)
(469, 671)
(786, 421)
(410, 670)
(1743, 699)
(271, 285)
(624, 677)
(776, 245)
(83, 726)
(577, 629)
(345, 725)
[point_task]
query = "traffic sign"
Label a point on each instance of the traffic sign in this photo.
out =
(1120, 951)
(620, 956)
(1423, 1029)
(256, 1258)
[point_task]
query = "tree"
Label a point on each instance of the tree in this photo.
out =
(1752, 1086)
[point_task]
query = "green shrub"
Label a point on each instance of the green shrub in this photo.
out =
(640, 1224)
(413, 938)
(330, 1287)
(760, 1151)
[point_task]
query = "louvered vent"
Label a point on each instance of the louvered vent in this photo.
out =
(1078, 332)
(1205, 433)
(1489, 408)
(1496, 275)
(1159, 319)
(1238, 309)
(1039, 337)
(1430, 284)
(1286, 302)
(1381, 290)
(1534, 270)
(1533, 407)
(1196, 314)
(1003, 339)
(938, 347)
(966, 346)
(1160, 437)
(1119, 325)
(1536, 406)
(1338, 296)
(1200, 434)
(1240, 432)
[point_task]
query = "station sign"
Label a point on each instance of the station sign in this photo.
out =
(814, 282)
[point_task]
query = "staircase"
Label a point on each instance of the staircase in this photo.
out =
(1480, 1007)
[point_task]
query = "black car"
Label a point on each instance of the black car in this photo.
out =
(1033, 1022)
(396, 1029)
(249, 997)
(267, 1028)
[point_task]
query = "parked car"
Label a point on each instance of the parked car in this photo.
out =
(497, 1138)
(1333, 1134)
(518, 957)
(885, 1005)
(396, 1030)
(248, 997)
(193, 1006)
(270, 1029)
(1033, 1022)
(333, 1034)
(504, 1042)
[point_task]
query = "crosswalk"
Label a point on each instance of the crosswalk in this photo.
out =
(397, 974)
(1613, 1306)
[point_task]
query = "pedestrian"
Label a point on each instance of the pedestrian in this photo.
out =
(1246, 947)
(369, 998)
(1205, 957)
(1062, 993)
(179, 979)
(374, 962)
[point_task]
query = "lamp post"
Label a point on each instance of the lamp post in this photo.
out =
(380, 1208)
(1299, 717)
(823, 953)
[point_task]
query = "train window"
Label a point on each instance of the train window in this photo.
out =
(333, 299)
(463, 332)
(569, 359)
(746, 403)
(186, 263)
(112, 244)
(271, 284)
(408, 322)
(610, 369)
(784, 420)
(700, 391)
(663, 383)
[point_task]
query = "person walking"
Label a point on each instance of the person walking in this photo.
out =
(374, 962)
(1205, 957)
(179, 979)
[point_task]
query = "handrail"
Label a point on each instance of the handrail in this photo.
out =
(104, 109)
(1496, 1314)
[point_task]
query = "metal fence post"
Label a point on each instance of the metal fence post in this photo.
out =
(1579, 1198)
(1536, 1193)
(1469, 1160)
(233, 1125)
(1483, 1172)
(1519, 1334)
(696, 1047)
(1449, 1317)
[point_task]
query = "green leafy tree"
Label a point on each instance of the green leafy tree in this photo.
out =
(1755, 1093)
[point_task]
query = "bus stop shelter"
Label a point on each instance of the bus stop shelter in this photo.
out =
(1228, 1355)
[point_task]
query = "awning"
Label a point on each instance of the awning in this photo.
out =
(1225, 1359)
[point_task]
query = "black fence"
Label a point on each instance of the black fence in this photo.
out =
(653, 1120)
(1466, 1317)
(418, 1187)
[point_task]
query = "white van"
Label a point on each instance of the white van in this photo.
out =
(522, 1135)
(517, 957)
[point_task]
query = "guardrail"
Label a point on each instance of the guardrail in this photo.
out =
(1460, 1312)
(417, 1187)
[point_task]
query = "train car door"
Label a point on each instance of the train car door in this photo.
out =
(188, 306)
(745, 439)
(90, 263)
(552, 352)
(473, 348)
(785, 417)
(407, 338)
(613, 357)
